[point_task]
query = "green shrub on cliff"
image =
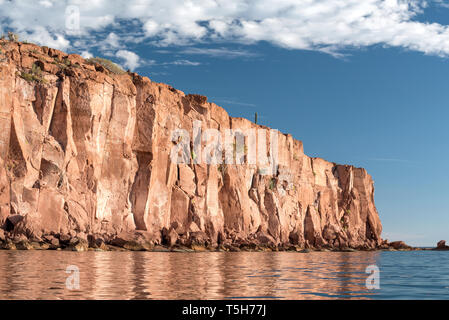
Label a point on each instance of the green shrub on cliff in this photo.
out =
(193, 154)
(108, 64)
(34, 75)
(222, 169)
(272, 184)
(63, 64)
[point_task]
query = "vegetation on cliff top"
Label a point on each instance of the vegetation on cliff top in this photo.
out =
(108, 64)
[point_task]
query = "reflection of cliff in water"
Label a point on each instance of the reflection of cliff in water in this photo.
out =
(211, 275)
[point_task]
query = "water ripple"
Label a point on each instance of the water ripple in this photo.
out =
(220, 275)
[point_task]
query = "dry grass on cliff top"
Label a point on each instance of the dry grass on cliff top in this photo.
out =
(108, 64)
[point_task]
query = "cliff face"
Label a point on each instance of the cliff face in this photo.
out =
(87, 152)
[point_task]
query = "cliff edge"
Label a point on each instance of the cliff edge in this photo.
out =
(86, 154)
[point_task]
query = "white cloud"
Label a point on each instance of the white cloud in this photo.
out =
(46, 3)
(86, 54)
(325, 25)
(184, 63)
(112, 40)
(42, 36)
(219, 52)
(131, 60)
(180, 62)
(233, 102)
(151, 28)
(442, 3)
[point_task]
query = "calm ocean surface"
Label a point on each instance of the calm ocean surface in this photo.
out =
(219, 275)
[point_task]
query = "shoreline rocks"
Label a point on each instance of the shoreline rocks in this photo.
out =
(139, 241)
(441, 245)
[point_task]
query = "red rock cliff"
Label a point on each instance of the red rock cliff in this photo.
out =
(85, 151)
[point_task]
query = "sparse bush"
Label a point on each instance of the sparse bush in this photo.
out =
(34, 75)
(63, 64)
(272, 184)
(222, 169)
(13, 36)
(108, 64)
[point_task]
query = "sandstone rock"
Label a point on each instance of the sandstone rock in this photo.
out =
(19, 237)
(95, 241)
(180, 249)
(399, 245)
(81, 235)
(265, 239)
(54, 243)
(80, 245)
(64, 238)
(102, 246)
(48, 237)
(89, 152)
(169, 237)
(160, 249)
(234, 249)
(12, 221)
(123, 238)
(441, 245)
(9, 245)
(24, 245)
(138, 246)
(74, 241)
(40, 245)
(132, 241)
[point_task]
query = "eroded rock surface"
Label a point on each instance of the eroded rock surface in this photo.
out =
(441, 245)
(87, 152)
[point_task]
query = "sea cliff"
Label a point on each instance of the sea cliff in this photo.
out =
(85, 162)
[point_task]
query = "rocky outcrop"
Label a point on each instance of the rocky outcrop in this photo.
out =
(85, 154)
(398, 245)
(441, 245)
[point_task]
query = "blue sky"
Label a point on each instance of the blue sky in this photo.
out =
(364, 83)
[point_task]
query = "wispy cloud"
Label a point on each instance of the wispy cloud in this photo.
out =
(442, 3)
(233, 102)
(183, 62)
(220, 52)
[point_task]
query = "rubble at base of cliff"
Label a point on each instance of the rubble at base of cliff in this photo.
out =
(139, 241)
